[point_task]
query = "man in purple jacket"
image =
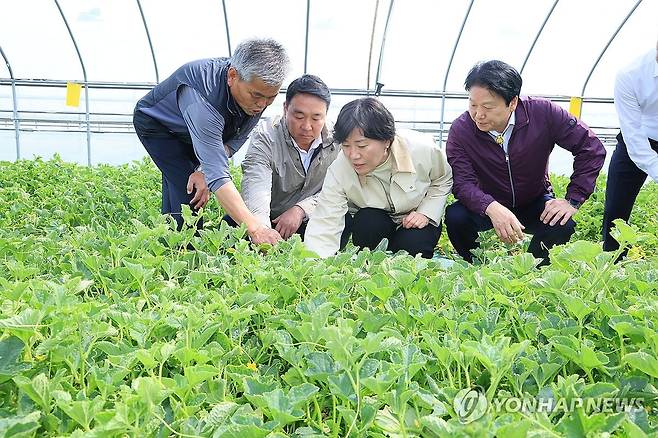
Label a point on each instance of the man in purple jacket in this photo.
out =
(499, 152)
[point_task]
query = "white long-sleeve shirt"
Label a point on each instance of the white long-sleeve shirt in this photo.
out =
(636, 102)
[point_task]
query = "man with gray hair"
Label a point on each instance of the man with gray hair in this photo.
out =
(193, 121)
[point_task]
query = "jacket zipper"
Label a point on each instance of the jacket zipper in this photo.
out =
(388, 197)
(509, 172)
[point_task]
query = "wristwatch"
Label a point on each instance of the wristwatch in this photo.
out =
(575, 204)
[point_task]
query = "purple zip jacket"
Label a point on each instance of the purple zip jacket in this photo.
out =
(483, 173)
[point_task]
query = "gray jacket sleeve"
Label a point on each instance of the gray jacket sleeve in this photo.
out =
(257, 176)
(205, 125)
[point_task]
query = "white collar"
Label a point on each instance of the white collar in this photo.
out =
(317, 142)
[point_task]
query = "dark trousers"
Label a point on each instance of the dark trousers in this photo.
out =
(177, 161)
(463, 225)
(625, 180)
(301, 230)
(370, 225)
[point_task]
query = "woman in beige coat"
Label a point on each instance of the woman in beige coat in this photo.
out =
(383, 185)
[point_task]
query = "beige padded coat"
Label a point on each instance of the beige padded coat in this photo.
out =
(420, 180)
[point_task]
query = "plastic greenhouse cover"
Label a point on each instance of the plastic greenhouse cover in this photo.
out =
(342, 46)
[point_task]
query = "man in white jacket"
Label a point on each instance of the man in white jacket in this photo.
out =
(636, 155)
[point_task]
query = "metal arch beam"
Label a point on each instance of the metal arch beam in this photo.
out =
(424, 94)
(541, 29)
(378, 86)
(84, 74)
(148, 37)
(308, 18)
(372, 41)
(228, 34)
(445, 79)
(614, 35)
(14, 104)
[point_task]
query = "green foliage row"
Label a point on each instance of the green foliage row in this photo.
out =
(112, 326)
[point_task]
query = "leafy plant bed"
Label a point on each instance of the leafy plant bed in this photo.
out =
(113, 326)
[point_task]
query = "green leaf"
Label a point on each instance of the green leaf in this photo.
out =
(219, 414)
(10, 351)
(166, 350)
(579, 251)
(578, 307)
(403, 278)
(37, 388)
(625, 325)
(642, 361)
(604, 423)
(383, 381)
(341, 385)
(281, 407)
(388, 422)
(319, 365)
(373, 342)
(20, 426)
(200, 373)
(82, 411)
(150, 390)
(567, 346)
(254, 390)
(368, 368)
(631, 430)
(437, 425)
(253, 386)
(570, 425)
(138, 272)
(114, 348)
(590, 359)
(201, 338)
(517, 429)
(623, 233)
(146, 357)
(496, 357)
(301, 393)
(24, 325)
(524, 263)
(241, 431)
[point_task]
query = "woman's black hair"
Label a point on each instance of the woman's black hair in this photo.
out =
(367, 114)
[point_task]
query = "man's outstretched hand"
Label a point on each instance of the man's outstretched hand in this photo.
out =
(505, 223)
(289, 221)
(264, 235)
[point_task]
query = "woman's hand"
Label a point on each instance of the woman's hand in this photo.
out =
(415, 220)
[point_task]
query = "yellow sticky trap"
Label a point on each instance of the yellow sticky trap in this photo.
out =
(575, 105)
(73, 94)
